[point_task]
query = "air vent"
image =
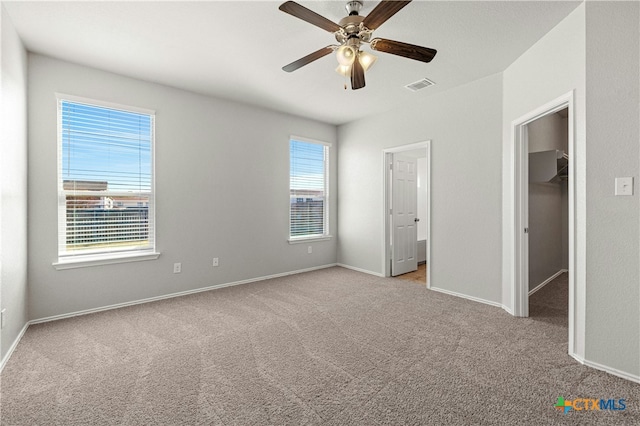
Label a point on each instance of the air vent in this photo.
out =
(419, 85)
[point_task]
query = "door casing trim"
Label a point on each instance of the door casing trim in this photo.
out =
(519, 290)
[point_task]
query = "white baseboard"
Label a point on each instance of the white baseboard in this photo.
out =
(3, 362)
(364, 271)
(464, 296)
(148, 300)
(577, 358)
(13, 346)
(547, 281)
(622, 374)
(508, 309)
(178, 294)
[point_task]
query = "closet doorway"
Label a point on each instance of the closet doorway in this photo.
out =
(548, 211)
(522, 283)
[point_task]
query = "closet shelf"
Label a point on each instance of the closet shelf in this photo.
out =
(548, 166)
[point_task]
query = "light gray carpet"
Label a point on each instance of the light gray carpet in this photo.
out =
(331, 347)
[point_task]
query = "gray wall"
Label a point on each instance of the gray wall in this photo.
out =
(214, 145)
(613, 234)
(13, 184)
(604, 37)
(222, 184)
(463, 125)
(551, 68)
(547, 204)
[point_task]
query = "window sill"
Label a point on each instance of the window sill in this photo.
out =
(309, 239)
(103, 259)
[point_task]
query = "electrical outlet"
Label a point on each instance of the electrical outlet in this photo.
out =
(309, 249)
(216, 261)
(177, 268)
(2, 317)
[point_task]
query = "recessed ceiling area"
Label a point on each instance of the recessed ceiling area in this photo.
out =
(236, 49)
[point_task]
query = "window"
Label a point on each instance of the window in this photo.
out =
(105, 182)
(308, 189)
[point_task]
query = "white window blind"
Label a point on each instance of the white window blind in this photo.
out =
(308, 189)
(105, 180)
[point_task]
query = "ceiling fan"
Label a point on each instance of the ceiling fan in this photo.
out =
(352, 32)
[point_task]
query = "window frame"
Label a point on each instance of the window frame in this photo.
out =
(90, 257)
(326, 235)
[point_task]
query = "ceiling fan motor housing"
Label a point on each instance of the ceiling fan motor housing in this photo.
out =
(353, 7)
(351, 27)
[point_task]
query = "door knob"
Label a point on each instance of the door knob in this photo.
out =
(416, 220)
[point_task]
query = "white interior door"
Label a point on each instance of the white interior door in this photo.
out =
(404, 190)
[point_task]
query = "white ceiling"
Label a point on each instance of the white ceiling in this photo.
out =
(236, 49)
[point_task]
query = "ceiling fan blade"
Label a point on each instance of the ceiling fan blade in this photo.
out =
(308, 59)
(301, 12)
(407, 50)
(357, 75)
(383, 11)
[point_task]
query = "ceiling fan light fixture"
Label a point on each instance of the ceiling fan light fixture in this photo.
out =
(345, 55)
(344, 70)
(366, 59)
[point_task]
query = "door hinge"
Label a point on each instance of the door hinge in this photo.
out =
(526, 230)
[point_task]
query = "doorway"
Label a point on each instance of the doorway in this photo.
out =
(521, 286)
(548, 216)
(407, 241)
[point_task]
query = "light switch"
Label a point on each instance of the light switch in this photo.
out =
(624, 186)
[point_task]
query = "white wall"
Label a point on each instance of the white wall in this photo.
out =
(222, 184)
(613, 234)
(13, 185)
(463, 125)
(552, 67)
